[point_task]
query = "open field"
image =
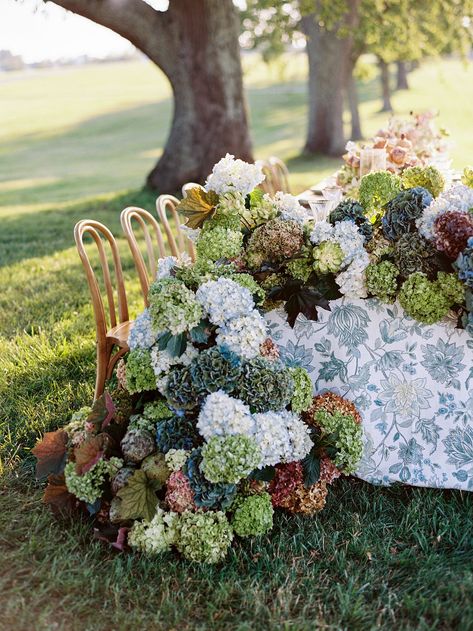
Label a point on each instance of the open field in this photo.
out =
(77, 143)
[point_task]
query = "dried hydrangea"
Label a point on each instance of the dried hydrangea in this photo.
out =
(381, 280)
(302, 395)
(464, 264)
(87, 487)
(179, 493)
(332, 402)
(230, 175)
(252, 515)
(142, 334)
(120, 479)
(412, 253)
(176, 458)
(76, 428)
(219, 243)
(215, 496)
(244, 335)
(173, 306)
(223, 300)
(178, 432)
(424, 300)
(204, 537)
(452, 231)
(265, 385)
(140, 375)
(156, 536)
(329, 472)
(137, 444)
(328, 257)
(402, 212)
(288, 477)
(377, 189)
(214, 369)
(428, 177)
(288, 491)
(458, 198)
(269, 350)
(228, 459)
(222, 415)
(156, 468)
(120, 372)
(274, 242)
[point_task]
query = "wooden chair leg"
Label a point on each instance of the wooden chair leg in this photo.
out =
(103, 356)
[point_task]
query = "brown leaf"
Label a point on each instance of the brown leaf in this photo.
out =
(50, 453)
(103, 410)
(57, 497)
(89, 453)
(198, 206)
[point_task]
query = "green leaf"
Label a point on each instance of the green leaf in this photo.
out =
(177, 345)
(198, 206)
(199, 334)
(138, 497)
(163, 340)
(255, 197)
(266, 474)
(311, 467)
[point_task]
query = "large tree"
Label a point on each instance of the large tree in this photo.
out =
(195, 44)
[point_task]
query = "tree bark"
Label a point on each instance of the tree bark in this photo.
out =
(402, 82)
(385, 86)
(330, 65)
(352, 95)
(195, 43)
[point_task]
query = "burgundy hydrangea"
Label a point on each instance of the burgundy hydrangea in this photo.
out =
(288, 477)
(269, 349)
(179, 494)
(452, 231)
(328, 470)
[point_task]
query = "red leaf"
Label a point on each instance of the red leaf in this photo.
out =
(89, 453)
(50, 453)
(120, 543)
(57, 497)
(111, 409)
(103, 410)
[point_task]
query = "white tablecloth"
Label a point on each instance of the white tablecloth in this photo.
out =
(412, 383)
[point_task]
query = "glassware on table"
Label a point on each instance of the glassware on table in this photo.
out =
(321, 208)
(372, 160)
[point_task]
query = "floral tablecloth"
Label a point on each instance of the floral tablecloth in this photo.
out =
(412, 383)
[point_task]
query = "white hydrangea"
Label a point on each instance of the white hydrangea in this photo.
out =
(222, 415)
(244, 335)
(167, 264)
(176, 458)
(224, 300)
(234, 175)
(156, 536)
(352, 281)
(350, 239)
(162, 361)
(457, 198)
(191, 233)
(323, 231)
(142, 334)
(290, 208)
(282, 437)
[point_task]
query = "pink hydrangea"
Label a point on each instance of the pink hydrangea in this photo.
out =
(179, 494)
(328, 470)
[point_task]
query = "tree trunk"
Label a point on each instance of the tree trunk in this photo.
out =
(330, 65)
(402, 83)
(384, 68)
(195, 43)
(352, 95)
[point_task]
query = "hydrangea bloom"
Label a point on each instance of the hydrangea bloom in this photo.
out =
(464, 264)
(302, 396)
(290, 209)
(173, 307)
(223, 300)
(222, 415)
(176, 458)
(219, 243)
(162, 361)
(323, 231)
(229, 458)
(234, 175)
(253, 515)
(167, 264)
(157, 536)
(352, 280)
(345, 233)
(204, 537)
(88, 486)
(139, 371)
(179, 493)
(282, 437)
(142, 334)
(244, 335)
(457, 198)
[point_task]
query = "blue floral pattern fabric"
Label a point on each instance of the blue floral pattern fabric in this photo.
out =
(412, 383)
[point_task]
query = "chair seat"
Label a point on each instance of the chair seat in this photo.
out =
(119, 334)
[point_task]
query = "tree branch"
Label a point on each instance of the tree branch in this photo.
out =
(135, 20)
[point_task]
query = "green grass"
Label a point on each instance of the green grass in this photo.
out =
(77, 143)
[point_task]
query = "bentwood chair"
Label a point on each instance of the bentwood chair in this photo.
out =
(153, 237)
(276, 176)
(177, 239)
(115, 332)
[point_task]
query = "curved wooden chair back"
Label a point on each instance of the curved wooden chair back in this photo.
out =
(167, 213)
(276, 176)
(267, 184)
(153, 237)
(189, 185)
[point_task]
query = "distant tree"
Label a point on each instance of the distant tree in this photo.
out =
(195, 44)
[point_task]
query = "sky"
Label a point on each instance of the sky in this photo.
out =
(38, 31)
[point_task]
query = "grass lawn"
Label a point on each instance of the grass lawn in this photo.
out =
(76, 143)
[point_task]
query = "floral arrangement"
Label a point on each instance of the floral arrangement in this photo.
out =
(204, 431)
(409, 143)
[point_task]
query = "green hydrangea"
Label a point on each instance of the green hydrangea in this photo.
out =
(302, 396)
(412, 253)
(261, 210)
(253, 515)
(451, 287)
(204, 537)
(156, 536)
(219, 243)
(328, 257)
(467, 176)
(246, 280)
(381, 280)
(228, 459)
(153, 412)
(156, 468)
(172, 306)
(201, 271)
(88, 486)
(139, 371)
(77, 422)
(176, 458)
(300, 268)
(346, 435)
(427, 177)
(377, 189)
(423, 299)
(228, 211)
(265, 385)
